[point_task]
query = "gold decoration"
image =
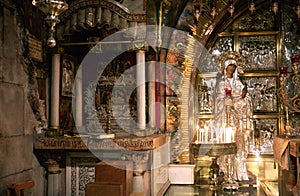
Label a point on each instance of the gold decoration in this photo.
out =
(52, 8)
(240, 60)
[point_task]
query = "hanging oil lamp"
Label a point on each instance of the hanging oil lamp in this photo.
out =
(196, 13)
(213, 8)
(231, 8)
(275, 6)
(252, 7)
(52, 9)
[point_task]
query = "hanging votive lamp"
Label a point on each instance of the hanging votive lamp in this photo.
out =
(52, 9)
(283, 71)
(231, 7)
(196, 13)
(252, 7)
(213, 6)
(275, 6)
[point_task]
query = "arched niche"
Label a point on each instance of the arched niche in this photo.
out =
(83, 25)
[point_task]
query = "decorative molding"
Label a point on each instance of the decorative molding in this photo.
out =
(76, 143)
(111, 5)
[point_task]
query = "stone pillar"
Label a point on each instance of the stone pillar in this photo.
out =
(141, 89)
(78, 100)
(151, 94)
(54, 180)
(141, 167)
(54, 107)
(157, 95)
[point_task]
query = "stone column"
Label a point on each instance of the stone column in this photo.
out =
(54, 107)
(141, 176)
(151, 94)
(141, 89)
(157, 95)
(78, 100)
(54, 180)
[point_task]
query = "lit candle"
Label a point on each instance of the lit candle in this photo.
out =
(233, 134)
(201, 135)
(211, 133)
(197, 134)
(217, 135)
(206, 135)
(220, 135)
(228, 134)
(223, 135)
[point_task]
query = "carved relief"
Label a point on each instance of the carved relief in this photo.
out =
(223, 44)
(263, 91)
(82, 172)
(262, 20)
(140, 161)
(260, 51)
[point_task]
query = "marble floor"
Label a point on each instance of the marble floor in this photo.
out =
(263, 189)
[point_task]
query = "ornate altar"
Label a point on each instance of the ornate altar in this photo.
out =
(75, 159)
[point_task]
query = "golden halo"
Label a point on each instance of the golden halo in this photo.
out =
(240, 60)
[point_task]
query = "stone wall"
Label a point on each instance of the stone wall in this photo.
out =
(17, 121)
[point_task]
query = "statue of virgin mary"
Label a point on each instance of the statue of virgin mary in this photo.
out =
(233, 108)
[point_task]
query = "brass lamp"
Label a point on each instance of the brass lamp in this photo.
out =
(52, 8)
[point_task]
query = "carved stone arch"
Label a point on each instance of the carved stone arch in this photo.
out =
(90, 14)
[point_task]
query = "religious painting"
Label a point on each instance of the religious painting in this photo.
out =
(67, 75)
(66, 115)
